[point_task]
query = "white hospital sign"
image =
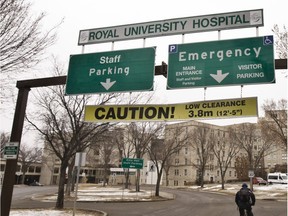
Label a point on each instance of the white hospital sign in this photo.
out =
(215, 22)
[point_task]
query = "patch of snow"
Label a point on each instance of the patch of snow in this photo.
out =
(45, 212)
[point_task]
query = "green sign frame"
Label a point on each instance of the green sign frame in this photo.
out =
(135, 163)
(114, 71)
(220, 63)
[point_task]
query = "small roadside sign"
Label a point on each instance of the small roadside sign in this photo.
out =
(136, 163)
(251, 174)
(11, 150)
(80, 159)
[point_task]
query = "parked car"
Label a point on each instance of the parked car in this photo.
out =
(259, 181)
(35, 183)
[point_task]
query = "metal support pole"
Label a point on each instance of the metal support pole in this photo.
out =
(11, 164)
(183, 38)
(77, 182)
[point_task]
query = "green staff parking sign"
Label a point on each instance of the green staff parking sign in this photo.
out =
(223, 62)
(114, 71)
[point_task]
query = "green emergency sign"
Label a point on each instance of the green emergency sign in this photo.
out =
(223, 62)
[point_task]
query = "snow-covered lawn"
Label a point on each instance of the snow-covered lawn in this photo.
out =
(47, 212)
(261, 192)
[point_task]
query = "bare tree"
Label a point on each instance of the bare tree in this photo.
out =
(22, 40)
(274, 125)
(161, 150)
(63, 129)
(242, 167)
(281, 41)
(59, 122)
(201, 141)
(140, 136)
(4, 138)
(125, 149)
(166, 168)
(253, 143)
(225, 149)
(108, 150)
(28, 156)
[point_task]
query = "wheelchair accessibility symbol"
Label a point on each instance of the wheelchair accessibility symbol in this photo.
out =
(268, 40)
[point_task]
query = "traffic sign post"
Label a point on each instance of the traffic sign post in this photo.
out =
(114, 71)
(11, 150)
(136, 163)
(219, 63)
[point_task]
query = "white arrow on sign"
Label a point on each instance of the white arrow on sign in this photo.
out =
(219, 76)
(108, 84)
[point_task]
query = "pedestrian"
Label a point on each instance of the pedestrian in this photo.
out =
(245, 199)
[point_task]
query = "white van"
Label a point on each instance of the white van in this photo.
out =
(274, 178)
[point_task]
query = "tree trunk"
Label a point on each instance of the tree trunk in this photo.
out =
(222, 181)
(24, 170)
(157, 189)
(138, 180)
(126, 179)
(60, 197)
(69, 179)
(23, 178)
(202, 177)
(74, 174)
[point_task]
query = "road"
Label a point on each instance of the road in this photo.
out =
(186, 203)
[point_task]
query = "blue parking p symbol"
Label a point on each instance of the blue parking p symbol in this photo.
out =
(173, 48)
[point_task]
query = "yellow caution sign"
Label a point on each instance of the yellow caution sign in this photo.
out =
(229, 108)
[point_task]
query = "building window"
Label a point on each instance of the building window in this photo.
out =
(31, 169)
(230, 173)
(185, 172)
(186, 161)
(56, 170)
(38, 169)
(186, 150)
(176, 172)
(176, 161)
(175, 183)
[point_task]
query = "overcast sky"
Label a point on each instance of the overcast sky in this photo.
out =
(87, 14)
